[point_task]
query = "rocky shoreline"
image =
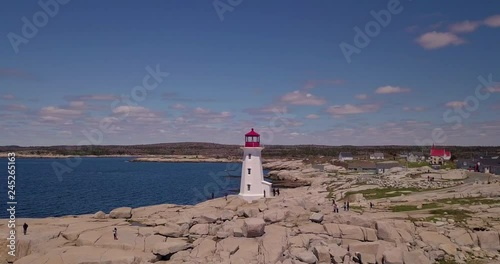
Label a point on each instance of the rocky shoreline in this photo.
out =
(183, 158)
(455, 218)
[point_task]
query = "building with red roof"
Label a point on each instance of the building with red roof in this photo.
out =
(440, 153)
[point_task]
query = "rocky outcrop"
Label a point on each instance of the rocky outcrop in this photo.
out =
(122, 212)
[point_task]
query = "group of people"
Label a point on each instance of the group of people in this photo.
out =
(276, 191)
(336, 208)
(346, 206)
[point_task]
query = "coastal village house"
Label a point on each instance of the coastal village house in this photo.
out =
(439, 156)
(415, 157)
(343, 156)
(484, 164)
(252, 185)
(362, 166)
(377, 155)
(382, 167)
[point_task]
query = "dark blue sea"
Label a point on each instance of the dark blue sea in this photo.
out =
(102, 184)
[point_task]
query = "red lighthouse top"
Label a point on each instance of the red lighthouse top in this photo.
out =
(252, 139)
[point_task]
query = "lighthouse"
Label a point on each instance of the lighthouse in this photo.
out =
(252, 184)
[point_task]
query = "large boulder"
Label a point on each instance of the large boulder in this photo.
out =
(203, 248)
(393, 256)
(387, 232)
(488, 240)
(316, 217)
(274, 215)
(312, 228)
(169, 230)
(322, 253)
(99, 215)
(351, 232)
(122, 212)
(415, 257)
(171, 246)
(274, 243)
(305, 256)
(435, 239)
(333, 230)
(461, 237)
(253, 227)
(227, 215)
(199, 229)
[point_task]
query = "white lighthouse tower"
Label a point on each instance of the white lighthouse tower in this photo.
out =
(252, 184)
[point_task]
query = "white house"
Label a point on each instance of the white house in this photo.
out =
(343, 156)
(253, 186)
(377, 155)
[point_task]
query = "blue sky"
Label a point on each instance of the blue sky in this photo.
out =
(275, 66)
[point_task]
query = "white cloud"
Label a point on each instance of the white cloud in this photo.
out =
(301, 98)
(492, 21)
(455, 104)
(178, 106)
(201, 111)
(312, 116)
(436, 40)
(15, 107)
(493, 89)
(8, 96)
(134, 110)
(464, 27)
(349, 109)
(51, 110)
(361, 96)
(414, 109)
(391, 90)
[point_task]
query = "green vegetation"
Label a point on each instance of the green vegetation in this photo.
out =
(418, 164)
(384, 192)
(449, 165)
(468, 201)
(457, 215)
(404, 208)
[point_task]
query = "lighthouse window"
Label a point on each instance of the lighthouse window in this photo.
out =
(249, 156)
(249, 170)
(248, 187)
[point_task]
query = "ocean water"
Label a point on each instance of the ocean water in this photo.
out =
(102, 184)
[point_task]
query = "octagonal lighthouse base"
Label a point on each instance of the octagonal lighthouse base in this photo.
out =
(266, 188)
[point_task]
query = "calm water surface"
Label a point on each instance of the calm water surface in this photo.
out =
(107, 183)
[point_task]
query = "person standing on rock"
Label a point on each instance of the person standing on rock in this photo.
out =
(278, 191)
(335, 208)
(114, 234)
(213, 195)
(274, 192)
(347, 205)
(25, 228)
(225, 195)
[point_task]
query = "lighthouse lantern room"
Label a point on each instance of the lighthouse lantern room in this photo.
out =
(252, 184)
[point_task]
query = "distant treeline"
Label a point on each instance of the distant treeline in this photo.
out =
(234, 151)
